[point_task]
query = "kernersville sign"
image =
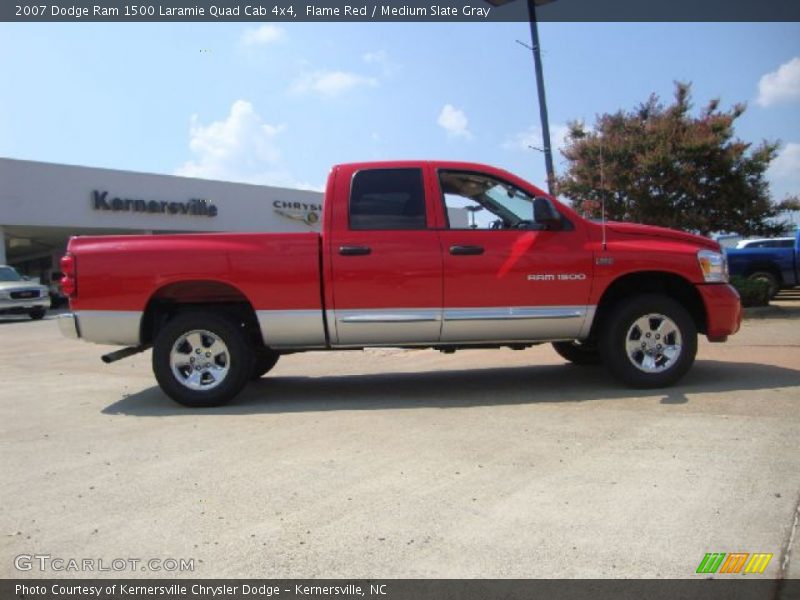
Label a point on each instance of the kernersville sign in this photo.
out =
(194, 207)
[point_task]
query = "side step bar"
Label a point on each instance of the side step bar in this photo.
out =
(123, 353)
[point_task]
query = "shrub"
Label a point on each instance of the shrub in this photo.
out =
(754, 292)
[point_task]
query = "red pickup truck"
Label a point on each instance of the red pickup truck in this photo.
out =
(448, 255)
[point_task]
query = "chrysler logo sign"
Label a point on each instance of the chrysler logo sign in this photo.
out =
(194, 207)
(298, 211)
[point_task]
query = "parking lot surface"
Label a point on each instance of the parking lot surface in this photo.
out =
(391, 463)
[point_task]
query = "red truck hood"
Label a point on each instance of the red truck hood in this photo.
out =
(650, 231)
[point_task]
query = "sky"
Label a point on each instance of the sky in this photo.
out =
(279, 104)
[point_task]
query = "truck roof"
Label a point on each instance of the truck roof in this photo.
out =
(438, 164)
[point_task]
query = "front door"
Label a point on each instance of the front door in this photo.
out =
(505, 277)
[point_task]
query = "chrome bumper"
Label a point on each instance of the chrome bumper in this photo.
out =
(18, 306)
(111, 327)
(68, 324)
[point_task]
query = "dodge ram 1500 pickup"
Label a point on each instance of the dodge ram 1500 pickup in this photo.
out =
(446, 255)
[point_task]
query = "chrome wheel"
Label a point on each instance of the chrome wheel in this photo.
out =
(199, 360)
(653, 343)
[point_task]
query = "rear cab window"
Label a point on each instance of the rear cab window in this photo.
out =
(382, 199)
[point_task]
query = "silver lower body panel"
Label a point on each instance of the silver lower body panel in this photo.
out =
(292, 328)
(305, 329)
(515, 324)
(112, 327)
(379, 327)
(430, 326)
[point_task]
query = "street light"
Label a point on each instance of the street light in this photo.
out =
(537, 65)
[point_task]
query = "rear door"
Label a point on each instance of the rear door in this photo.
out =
(385, 258)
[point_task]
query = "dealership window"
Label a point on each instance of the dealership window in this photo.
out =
(387, 199)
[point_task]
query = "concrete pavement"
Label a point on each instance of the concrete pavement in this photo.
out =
(404, 464)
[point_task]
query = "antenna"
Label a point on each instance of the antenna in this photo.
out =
(602, 197)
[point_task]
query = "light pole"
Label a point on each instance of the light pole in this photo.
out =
(537, 66)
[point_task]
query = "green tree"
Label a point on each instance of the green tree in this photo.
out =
(661, 165)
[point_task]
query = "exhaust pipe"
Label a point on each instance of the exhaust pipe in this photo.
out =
(123, 353)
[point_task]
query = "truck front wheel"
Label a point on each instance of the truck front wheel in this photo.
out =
(772, 282)
(37, 313)
(201, 359)
(649, 341)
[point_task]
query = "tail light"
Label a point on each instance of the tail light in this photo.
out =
(69, 282)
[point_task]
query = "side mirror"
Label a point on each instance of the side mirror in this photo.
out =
(545, 215)
(25, 278)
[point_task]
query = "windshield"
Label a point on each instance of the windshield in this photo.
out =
(9, 274)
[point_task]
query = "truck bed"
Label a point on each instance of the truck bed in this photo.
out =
(272, 272)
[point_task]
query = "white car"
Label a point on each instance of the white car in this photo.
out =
(19, 296)
(787, 242)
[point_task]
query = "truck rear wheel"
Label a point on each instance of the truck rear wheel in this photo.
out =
(579, 353)
(201, 359)
(649, 341)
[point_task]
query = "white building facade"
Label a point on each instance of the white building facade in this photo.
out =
(42, 205)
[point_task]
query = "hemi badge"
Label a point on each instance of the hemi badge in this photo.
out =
(604, 260)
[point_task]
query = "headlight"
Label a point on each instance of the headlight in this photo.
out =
(714, 266)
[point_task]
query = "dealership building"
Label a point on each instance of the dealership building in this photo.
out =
(42, 205)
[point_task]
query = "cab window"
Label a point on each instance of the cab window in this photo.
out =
(387, 199)
(479, 201)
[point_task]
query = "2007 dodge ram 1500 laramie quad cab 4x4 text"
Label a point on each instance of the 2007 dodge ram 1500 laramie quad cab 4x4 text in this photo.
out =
(447, 255)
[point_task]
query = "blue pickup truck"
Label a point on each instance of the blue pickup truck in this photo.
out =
(778, 266)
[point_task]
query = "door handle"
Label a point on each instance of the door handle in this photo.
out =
(354, 250)
(466, 250)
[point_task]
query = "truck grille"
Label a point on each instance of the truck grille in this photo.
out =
(24, 294)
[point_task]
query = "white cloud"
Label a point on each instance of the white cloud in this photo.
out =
(530, 138)
(330, 83)
(266, 34)
(379, 57)
(241, 147)
(780, 86)
(784, 172)
(524, 140)
(788, 161)
(454, 121)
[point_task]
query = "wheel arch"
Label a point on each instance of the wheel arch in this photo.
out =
(198, 294)
(659, 282)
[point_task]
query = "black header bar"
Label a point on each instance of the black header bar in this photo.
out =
(432, 11)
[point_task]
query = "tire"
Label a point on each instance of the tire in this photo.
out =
(771, 281)
(202, 336)
(664, 327)
(263, 362)
(37, 313)
(586, 353)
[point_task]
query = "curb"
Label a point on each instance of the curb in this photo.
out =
(771, 312)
